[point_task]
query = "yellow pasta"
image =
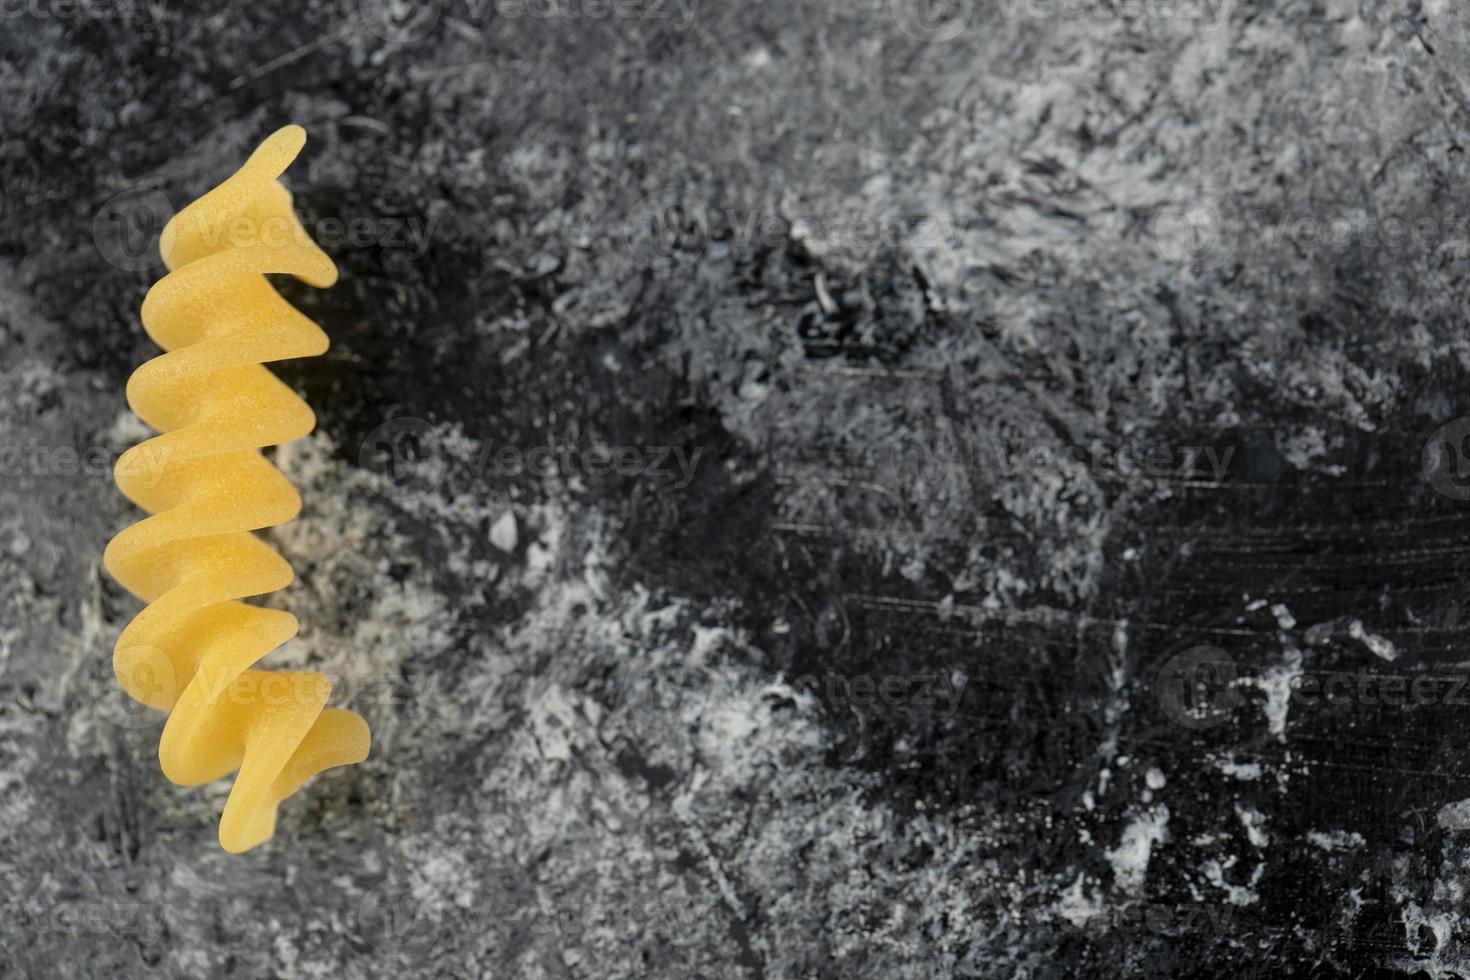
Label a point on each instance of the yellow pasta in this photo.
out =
(208, 487)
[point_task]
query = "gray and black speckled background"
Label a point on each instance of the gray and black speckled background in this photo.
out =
(978, 374)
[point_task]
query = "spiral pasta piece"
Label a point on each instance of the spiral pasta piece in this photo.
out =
(192, 650)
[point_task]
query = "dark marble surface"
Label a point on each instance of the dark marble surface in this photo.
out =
(1030, 547)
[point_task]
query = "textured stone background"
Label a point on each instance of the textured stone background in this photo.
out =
(885, 681)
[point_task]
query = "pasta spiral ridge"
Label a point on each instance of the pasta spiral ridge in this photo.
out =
(192, 649)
